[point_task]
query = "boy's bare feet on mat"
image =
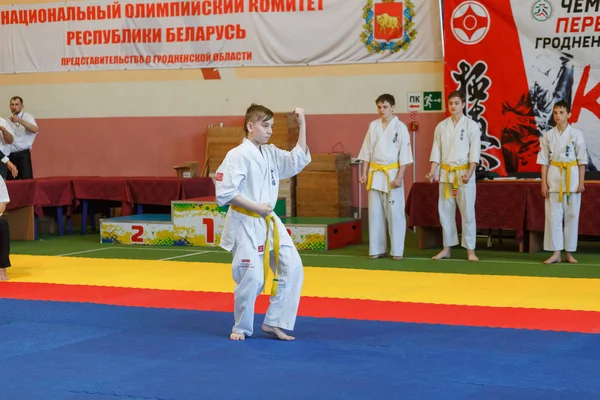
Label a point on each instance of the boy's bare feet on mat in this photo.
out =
(442, 254)
(237, 336)
(378, 256)
(272, 330)
(569, 258)
(554, 259)
(472, 256)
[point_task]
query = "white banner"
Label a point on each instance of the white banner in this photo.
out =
(96, 35)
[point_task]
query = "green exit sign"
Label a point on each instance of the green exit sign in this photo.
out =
(432, 101)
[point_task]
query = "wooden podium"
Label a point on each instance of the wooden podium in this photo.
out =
(21, 222)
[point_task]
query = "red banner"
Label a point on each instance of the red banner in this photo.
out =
(513, 59)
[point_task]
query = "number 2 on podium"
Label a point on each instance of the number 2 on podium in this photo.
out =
(137, 236)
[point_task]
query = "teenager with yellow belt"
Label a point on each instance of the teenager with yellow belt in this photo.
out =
(386, 153)
(454, 157)
(563, 157)
(248, 180)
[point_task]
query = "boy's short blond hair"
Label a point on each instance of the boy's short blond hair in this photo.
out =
(256, 113)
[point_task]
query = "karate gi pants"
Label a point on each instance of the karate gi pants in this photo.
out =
(248, 274)
(557, 238)
(4, 243)
(465, 199)
(386, 210)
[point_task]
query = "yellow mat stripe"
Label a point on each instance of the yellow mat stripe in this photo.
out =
(437, 288)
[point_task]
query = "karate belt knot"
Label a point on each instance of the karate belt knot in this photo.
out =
(564, 166)
(449, 170)
(383, 168)
(267, 253)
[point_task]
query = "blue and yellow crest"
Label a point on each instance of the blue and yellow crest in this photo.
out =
(388, 25)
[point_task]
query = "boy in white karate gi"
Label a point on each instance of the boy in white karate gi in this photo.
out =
(248, 180)
(386, 153)
(454, 157)
(4, 233)
(563, 158)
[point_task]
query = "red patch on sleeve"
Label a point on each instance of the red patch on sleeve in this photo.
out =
(261, 249)
(219, 176)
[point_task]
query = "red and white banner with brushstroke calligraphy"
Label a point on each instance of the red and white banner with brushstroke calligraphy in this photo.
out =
(514, 59)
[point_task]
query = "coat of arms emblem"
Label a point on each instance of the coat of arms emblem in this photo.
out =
(388, 25)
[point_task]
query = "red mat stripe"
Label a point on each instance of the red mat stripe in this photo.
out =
(520, 318)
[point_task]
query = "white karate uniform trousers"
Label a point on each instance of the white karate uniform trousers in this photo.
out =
(386, 210)
(249, 283)
(465, 198)
(555, 238)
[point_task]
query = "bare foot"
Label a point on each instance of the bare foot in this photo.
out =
(237, 336)
(377, 256)
(397, 257)
(272, 330)
(442, 254)
(569, 258)
(471, 256)
(554, 259)
(3, 275)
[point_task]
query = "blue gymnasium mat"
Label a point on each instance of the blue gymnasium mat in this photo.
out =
(79, 351)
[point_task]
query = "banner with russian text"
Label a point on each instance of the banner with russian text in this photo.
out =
(514, 59)
(104, 34)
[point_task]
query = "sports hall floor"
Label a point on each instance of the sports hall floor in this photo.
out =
(80, 320)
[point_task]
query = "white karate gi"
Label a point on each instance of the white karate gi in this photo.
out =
(255, 177)
(457, 146)
(5, 147)
(4, 197)
(386, 204)
(568, 147)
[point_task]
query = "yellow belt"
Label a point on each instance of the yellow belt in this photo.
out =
(564, 166)
(450, 169)
(267, 255)
(383, 168)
